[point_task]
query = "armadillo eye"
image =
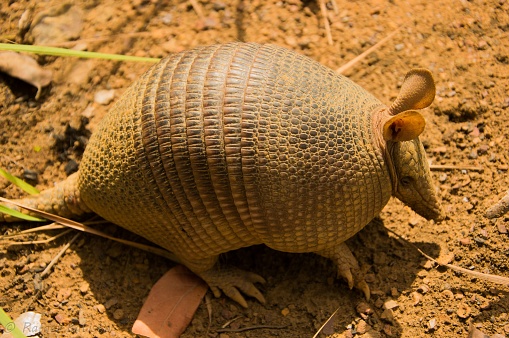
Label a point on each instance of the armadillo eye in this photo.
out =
(405, 181)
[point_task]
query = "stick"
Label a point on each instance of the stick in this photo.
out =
(454, 167)
(55, 259)
(323, 9)
(358, 58)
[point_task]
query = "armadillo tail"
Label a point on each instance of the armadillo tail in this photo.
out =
(62, 200)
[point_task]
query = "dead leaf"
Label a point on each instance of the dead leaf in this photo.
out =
(25, 68)
(171, 304)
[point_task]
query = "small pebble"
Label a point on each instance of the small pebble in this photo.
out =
(501, 228)
(476, 333)
(463, 311)
(423, 289)
(479, 240)
(110, 303)
(84, 287)
(104, 97)
(118, 314)
(432, 323)
(416, 297)
(399, 46)
(390, 304)
(465, 241)
(483, 149)
(362, 327)
(285, 312)
(62, 319)
(81, 318)
(218, 5)
(448, 294)
(388, 314)
(364, 308)
(100, 308)
(71, 167)
(30, 175)
(473, 155)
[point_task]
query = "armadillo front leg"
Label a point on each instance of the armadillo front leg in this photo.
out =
(229, 280)
(348, 267)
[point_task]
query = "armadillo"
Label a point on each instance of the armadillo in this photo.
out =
(227, 146)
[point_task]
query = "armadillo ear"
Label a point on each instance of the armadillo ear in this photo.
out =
(404, 127)
(417, 92)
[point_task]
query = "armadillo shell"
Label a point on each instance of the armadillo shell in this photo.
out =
(232, 145)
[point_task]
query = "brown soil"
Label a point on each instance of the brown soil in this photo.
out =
(466, 46)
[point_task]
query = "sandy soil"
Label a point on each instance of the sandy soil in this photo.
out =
(98, 287)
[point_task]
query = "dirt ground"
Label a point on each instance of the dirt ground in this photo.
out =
(98, 287)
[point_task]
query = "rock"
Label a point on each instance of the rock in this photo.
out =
(501, 228)
(30, 175)
(465, 241)
(476, 333)
(81, 318)
(432, 323)
(463, 311)
(362, 327)
(109, 303)
(118, 314)
(364, 308)
(390, 304)
(100, 308)
(57, 24)
(416, 297)
(84, 287)
(104, 97)
(71, 167)
(483, 149)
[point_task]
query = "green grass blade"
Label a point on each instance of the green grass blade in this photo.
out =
(9, 325)
(19, 183)
(17, 214)
(55, 51)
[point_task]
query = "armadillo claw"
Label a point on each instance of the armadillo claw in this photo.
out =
(232, 282)
(348, 267)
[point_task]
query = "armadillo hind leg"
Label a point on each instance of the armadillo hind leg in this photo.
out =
(348, 267)
(228, 280)
(233, 282)
(62, 200)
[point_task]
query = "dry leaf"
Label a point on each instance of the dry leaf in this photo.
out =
(171, 304)
(25, 68)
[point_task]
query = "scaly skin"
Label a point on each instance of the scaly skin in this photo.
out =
(228, 146)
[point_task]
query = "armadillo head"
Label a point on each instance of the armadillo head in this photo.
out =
(401, 126)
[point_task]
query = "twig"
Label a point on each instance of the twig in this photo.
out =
(55, 259)
(323, 9)
(254, 327)
(209, 311)
(197, 8)
(42, 241)
(82, 227)
(335, 7)
(361, 56)
(328, 320)
(500, 208)
(230, 321)
(486, 276)
(454, 167)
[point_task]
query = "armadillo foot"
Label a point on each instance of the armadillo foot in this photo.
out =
(232, 282)
(348, 267)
